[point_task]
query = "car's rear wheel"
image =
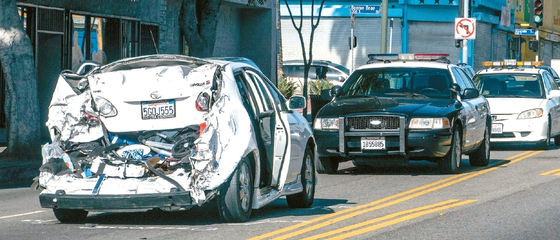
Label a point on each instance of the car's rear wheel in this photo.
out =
(328, 165)
(70, 215)
(451, 163)
(481, 157)
(235, 199)
(305, 198)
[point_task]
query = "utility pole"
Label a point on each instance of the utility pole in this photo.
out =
(384, 13)
(465, 41)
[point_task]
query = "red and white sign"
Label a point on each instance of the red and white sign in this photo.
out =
(465, 28)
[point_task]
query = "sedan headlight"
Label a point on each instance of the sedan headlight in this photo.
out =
(533, 113)
(429, 123)
(326, 124)
(105, 108)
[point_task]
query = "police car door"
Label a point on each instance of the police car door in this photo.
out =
(274, 129)
(474, 122)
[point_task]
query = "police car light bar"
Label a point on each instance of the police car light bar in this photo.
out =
(511, 63)
(430, 56)
(408, 56)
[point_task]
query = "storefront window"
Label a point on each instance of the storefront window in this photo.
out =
(88, 36)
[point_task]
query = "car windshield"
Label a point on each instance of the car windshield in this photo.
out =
(399, 82)
(510, 85)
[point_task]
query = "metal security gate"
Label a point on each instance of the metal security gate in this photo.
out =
(432, 37)
(331, 39)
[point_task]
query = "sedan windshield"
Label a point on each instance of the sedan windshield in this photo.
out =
(398, 82)
(510, 85)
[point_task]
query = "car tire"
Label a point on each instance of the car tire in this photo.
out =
(70, 215)
(451, 163)
(305, 198)
(235, 197)
(557, 140)
(481, 157)
(327, 165)
(545, 145)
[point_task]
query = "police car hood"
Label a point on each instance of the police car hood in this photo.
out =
(513, 105)
(407, 106)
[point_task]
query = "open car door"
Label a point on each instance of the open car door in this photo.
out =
(272, 128)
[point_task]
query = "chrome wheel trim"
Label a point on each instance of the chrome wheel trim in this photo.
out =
(308, 175)
(244, 187)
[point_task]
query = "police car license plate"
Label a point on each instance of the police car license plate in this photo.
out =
(158, 109)
(497, 128)
(373, 143)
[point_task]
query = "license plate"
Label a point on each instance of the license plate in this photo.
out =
(497, 128)
(373, 143)
(158, 109)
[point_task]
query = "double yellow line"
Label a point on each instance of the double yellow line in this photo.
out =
(555, 172)
(332, 218)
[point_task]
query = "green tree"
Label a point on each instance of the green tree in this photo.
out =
(21, 101)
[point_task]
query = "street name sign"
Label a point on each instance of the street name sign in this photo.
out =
(365, 9)
(524, 32)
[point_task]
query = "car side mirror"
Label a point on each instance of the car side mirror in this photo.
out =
(554, 94)
(297, 102)
(329, 94)
(455, 88)
(470, 93)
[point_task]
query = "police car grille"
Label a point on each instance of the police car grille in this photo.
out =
(368, 123)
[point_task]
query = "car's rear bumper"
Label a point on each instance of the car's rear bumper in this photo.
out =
(170, 200)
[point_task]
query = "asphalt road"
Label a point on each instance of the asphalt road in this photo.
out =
(515, 197)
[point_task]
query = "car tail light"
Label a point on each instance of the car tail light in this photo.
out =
(203, 102)
(105, 108)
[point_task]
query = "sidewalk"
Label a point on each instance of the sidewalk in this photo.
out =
(17, 170)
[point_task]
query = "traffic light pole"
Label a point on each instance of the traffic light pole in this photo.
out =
(538, 44)
(465, 41)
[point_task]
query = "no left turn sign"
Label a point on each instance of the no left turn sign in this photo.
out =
(465, 28)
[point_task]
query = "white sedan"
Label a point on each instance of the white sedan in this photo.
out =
(524, 103)
(171, 132)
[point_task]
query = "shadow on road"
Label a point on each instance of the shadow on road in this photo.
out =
(207, 214)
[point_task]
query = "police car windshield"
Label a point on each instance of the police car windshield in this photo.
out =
(398, 82)
(510, 85)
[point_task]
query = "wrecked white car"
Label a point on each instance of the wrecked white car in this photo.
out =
(171, 132)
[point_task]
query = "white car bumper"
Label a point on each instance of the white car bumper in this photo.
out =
(519, 130)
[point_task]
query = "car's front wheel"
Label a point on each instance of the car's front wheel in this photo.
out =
(235, 199)
(70, 215)
(328, 165)
(305, 198)
(557, 140)
(544, 145)
(481, 157)
(451, 163)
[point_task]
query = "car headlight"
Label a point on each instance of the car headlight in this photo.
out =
(326, 124)
(105, 108)
(533, 113)
(429, 123)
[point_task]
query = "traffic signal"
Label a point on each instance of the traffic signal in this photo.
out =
(538, 13)
(352, 42)
(534, 45)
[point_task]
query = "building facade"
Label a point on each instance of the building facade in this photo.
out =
(65, 33)
(423, 26)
